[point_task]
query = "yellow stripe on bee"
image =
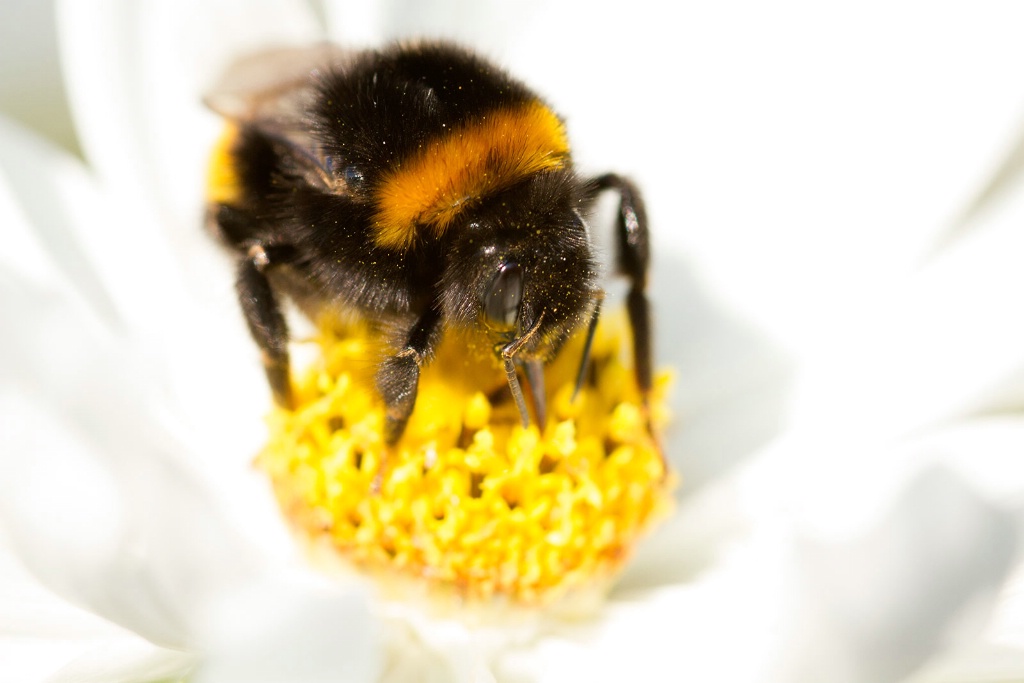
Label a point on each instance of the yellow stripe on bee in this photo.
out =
(223, 186)
(452, 172)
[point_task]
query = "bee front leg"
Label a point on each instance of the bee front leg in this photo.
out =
(263, 315)
(398, 376)
(633, 261)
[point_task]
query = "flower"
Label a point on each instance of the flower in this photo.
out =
(887, 502)
(472, 507)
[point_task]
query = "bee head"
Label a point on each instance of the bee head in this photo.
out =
(523, 268)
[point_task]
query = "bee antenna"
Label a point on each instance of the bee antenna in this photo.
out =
(585, 359)
(508, 354)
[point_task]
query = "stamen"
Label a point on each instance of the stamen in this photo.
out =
(472, 506)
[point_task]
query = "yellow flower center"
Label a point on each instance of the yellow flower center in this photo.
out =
(469, 502)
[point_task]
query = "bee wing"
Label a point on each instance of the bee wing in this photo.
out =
(272, 91)
(273, 84)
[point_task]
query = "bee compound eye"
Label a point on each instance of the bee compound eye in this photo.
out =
(352, 175)
(501, 303)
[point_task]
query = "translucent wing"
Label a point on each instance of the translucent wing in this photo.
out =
(273, 84)
(272, 91)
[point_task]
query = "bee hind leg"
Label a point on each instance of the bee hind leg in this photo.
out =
(263, 315)
(633, 261)
(633, 249)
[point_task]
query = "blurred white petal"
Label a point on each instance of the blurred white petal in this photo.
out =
(365, 24)
(60, 499)
(289, 628)
(732, 383)
(39, 632)
(136, 73)
(53, 224)
(719, 626)
(897, 547)
(31, 89)
(100, 491)
(127, 661)
(947, 342)
(976, 663)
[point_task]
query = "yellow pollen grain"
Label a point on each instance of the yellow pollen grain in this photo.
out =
(469, 503)
(467, 163)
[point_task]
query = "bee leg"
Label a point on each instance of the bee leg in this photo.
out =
(263, 315)
(633, 260)
(535, 375)
(398, 376)
(633, 247)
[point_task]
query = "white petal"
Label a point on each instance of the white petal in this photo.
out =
(100, 512)
(136, 74)
(484, 24)
(879, 605)
(987, 454)
(66, 519)
(976, 663)
(33, 660)
(39, 632)
(126, 661)
(947, 343)
(28, 610)
(31, 88)
(794, 167)
(354, 23)
(292, 629)
(730, 399)
(897, 548)
(96, 503)
(860, 570)
(46, 200)
(807, 601)
(732, 383)
(706, 525)
(720, 626)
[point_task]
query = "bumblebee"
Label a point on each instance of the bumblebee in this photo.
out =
(421, 187)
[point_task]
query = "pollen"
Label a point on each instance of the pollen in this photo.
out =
(469, 504)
